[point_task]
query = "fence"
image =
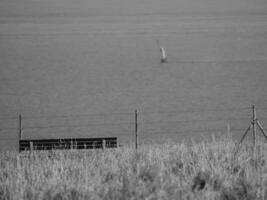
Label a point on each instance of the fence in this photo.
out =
(137, 126)
(68, 143)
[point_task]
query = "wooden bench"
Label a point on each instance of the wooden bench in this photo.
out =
(67, 143)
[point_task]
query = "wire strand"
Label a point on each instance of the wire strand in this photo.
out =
(8, 118)
(8, 128)
(193, 131)
(195, 110)
(75, 126)
(197, 120)
(76, 116)
(8, 139)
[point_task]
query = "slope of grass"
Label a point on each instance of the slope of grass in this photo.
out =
(168, 171)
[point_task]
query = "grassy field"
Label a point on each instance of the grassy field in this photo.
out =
(207, 170)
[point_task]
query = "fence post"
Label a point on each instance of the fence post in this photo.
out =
(254, 115)
(136, 130)
(31, 146)
(20, 127)
(103, 144)
(229, 135)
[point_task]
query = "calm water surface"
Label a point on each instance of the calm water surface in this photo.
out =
(62, 59)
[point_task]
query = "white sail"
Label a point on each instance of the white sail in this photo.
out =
(163, 54)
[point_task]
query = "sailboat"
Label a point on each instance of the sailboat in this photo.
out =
(163, 55)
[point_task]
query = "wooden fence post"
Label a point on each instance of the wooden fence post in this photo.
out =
(254, 115)
(136, 130)
(20, 127)
(103, 144)
(31, 146)
(261, 129)
(229, 135)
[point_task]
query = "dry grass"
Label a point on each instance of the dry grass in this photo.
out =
(168, 171)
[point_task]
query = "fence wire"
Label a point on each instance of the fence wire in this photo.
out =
(122, 124)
